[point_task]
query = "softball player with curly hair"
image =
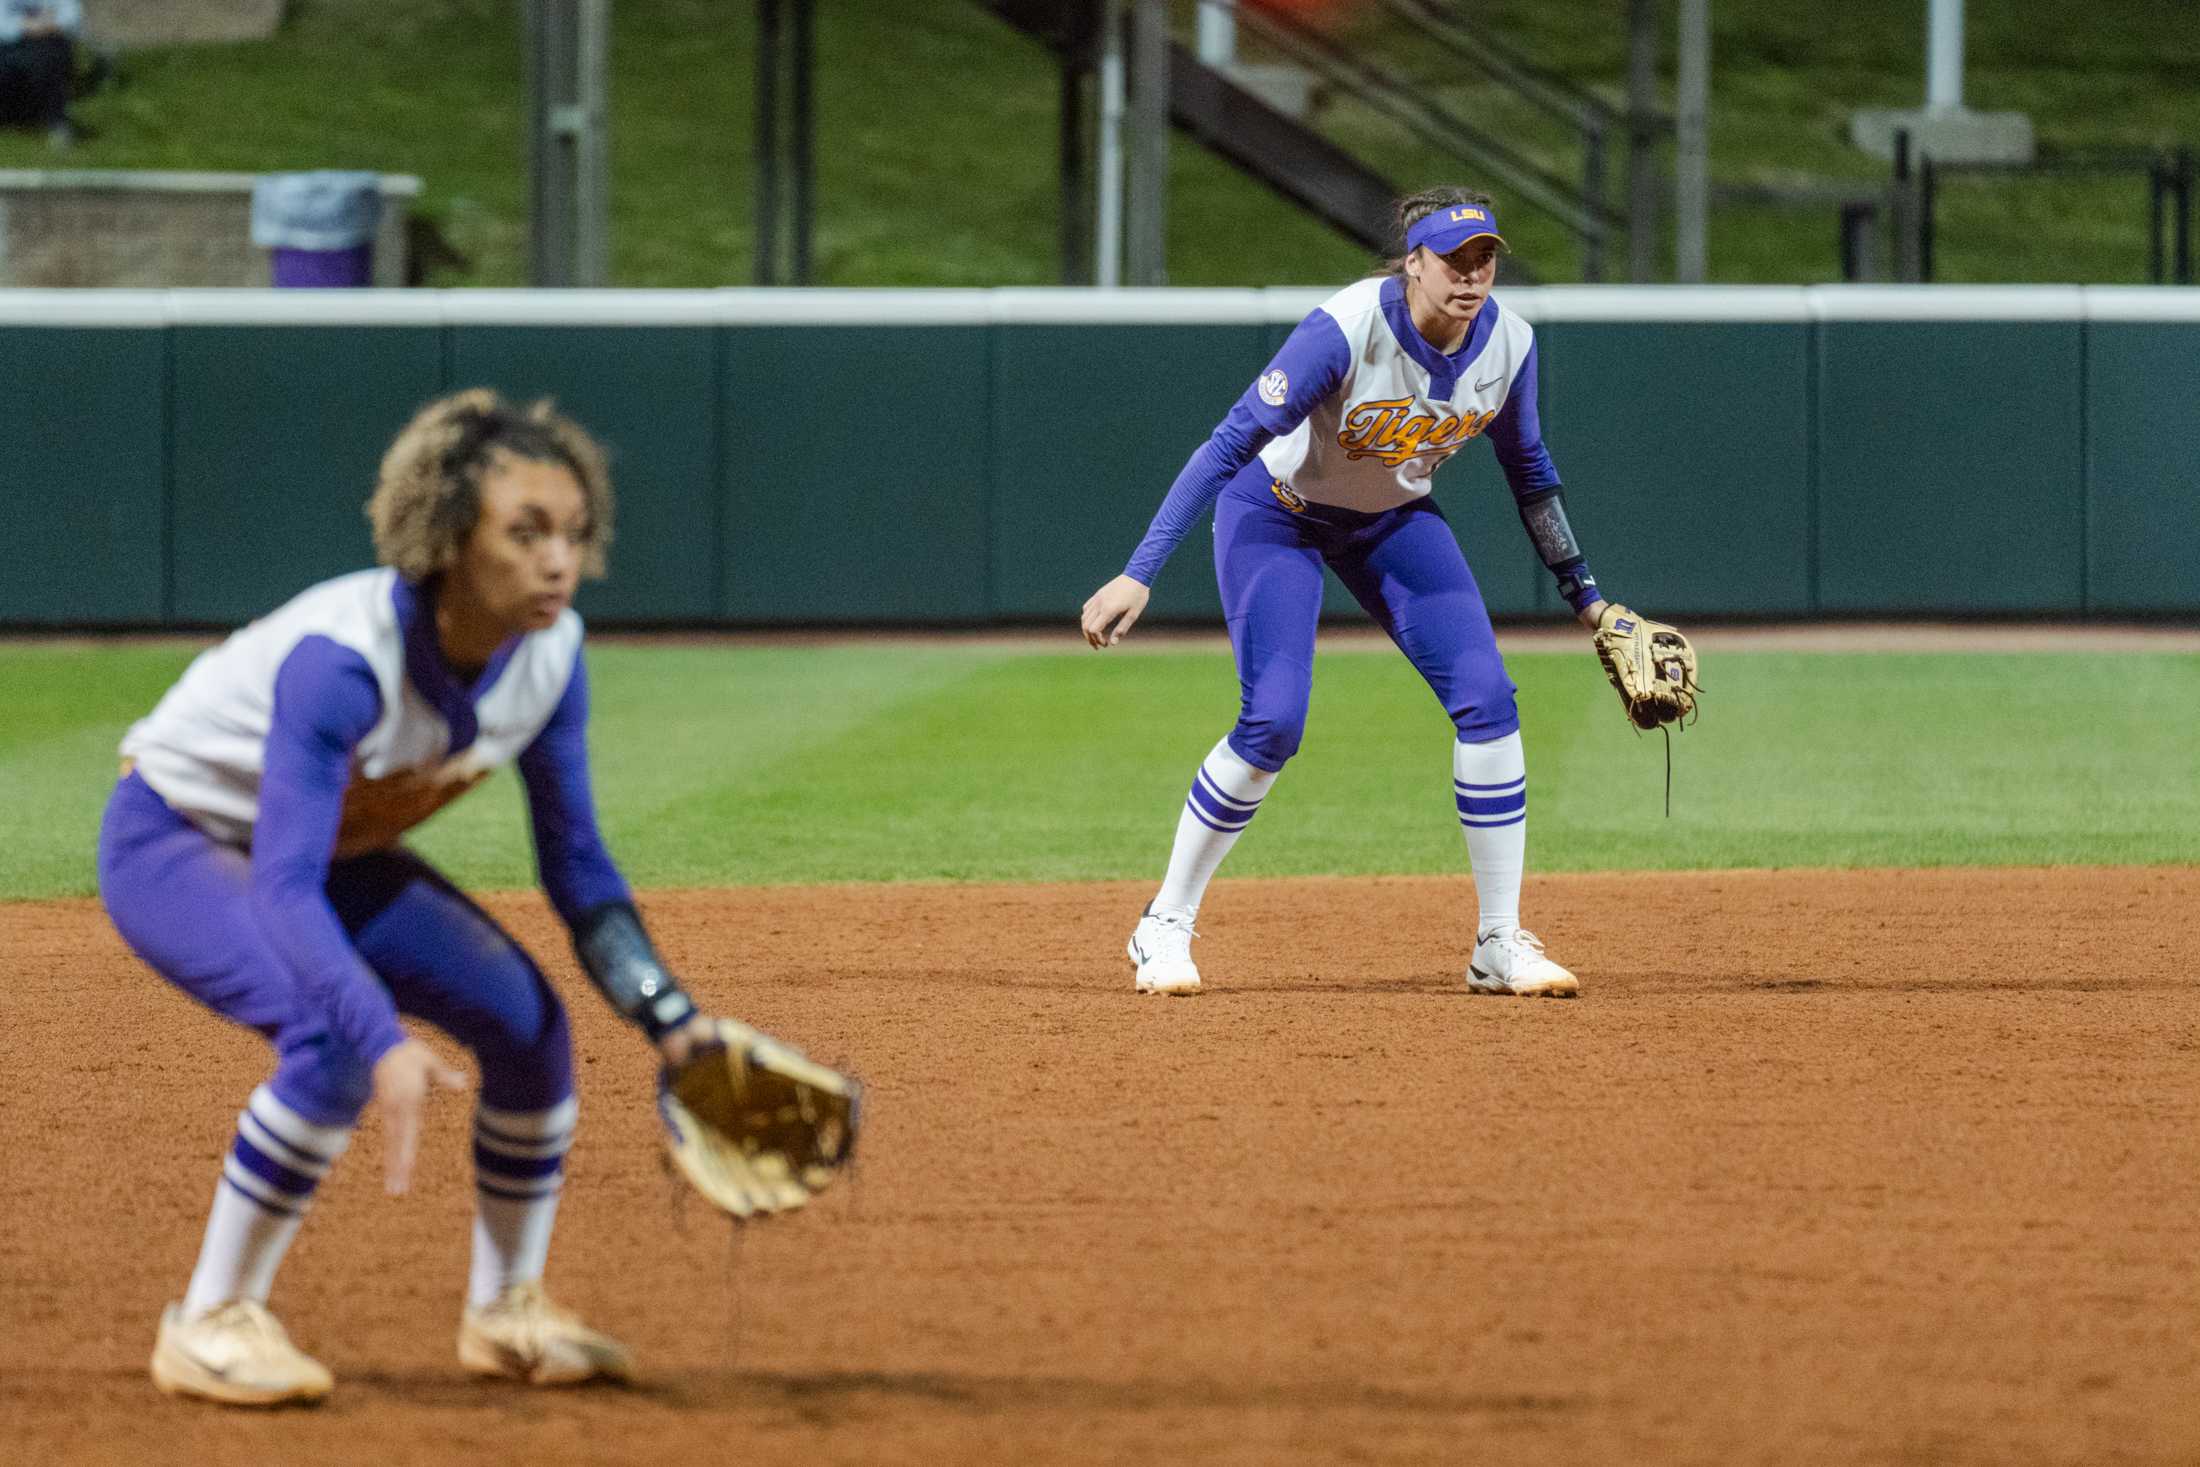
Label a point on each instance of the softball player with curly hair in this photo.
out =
(250, 855)
(1327, 459)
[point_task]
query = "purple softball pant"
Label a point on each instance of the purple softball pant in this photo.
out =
(182, 901)
(1404, 565)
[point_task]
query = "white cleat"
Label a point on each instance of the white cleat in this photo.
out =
(238, 1355)
(1161, 946)
(523, 1336)
(1511, 963)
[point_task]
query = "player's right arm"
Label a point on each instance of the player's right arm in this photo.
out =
(1308, 367)
(326, 701)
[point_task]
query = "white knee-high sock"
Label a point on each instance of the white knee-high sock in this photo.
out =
(1226, 794)
(519, 1165)
(1490, 786)
(275, 1162)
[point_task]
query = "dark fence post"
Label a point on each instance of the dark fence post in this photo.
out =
(2184, 216)
(767, 142)
(1858, 220)
(2159, 184)
(1076, 179)
(802, 125)
(1905, 210)
(785, 152)
(1928, 181)
(1592, 184)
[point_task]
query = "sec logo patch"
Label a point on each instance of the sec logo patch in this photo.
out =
(1273, 386)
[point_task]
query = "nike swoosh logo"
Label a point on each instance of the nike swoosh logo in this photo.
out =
(1138, 950)
(1486, 386)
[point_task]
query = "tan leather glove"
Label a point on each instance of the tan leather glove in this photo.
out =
(757, 1127)
(1650, 663)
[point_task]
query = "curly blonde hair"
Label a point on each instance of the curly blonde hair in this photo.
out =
(427, 497)
(1413, 208)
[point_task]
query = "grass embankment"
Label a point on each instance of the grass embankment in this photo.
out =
(936, 134)
(903, 762)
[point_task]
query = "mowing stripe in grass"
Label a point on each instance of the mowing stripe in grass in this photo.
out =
(719, 764)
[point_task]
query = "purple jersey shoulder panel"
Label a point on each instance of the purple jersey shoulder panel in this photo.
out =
(326, 701)
(576, 870)
(1310, 365)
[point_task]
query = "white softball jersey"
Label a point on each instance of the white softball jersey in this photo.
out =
(1372, 442)
(1357, 409)
(202, 748)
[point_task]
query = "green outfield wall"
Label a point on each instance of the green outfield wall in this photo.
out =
(191, 458)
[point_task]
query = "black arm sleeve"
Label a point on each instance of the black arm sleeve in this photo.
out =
(1543, 515)
(616, 953)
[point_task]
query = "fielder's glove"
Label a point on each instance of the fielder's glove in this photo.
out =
(754, 1125)
(1650, 663)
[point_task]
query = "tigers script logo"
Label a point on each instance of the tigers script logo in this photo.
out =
(1387, 429)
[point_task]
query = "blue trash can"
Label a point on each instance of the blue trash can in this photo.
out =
(320, 226)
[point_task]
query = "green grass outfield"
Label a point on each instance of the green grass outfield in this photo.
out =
(904, 760)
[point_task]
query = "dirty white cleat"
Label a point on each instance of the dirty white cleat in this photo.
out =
(1161, 946)
(237, 1354)
(523, 1336)
(1510, 961)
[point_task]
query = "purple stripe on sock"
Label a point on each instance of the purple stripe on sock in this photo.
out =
(261, 1202)
(295, 1157)
(1492, 804)
(274, 1173)
(1503, 784)
(1202, 777)
(516, 1168)
(1202, 817)
(1214, 809)
(274, 1126)
(1482, 823)
(511, 1196)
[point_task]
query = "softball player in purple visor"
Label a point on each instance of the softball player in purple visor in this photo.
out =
(1327, 459)
(250, 854)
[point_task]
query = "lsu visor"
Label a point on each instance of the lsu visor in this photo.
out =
(1452, 226)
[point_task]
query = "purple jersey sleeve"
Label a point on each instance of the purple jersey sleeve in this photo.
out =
(326, 701)
(1517, 439)
(1311, 364)
(1517, 435)
(576, 870)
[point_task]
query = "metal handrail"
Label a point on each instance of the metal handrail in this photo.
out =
(1559, 95)
(1588, 219)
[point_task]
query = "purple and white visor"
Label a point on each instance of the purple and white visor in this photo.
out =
(1452, 226)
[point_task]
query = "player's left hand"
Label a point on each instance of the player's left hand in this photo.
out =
(1113, 610)
(677, 1046)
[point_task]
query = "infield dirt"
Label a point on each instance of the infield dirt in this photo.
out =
(1856, 1167)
